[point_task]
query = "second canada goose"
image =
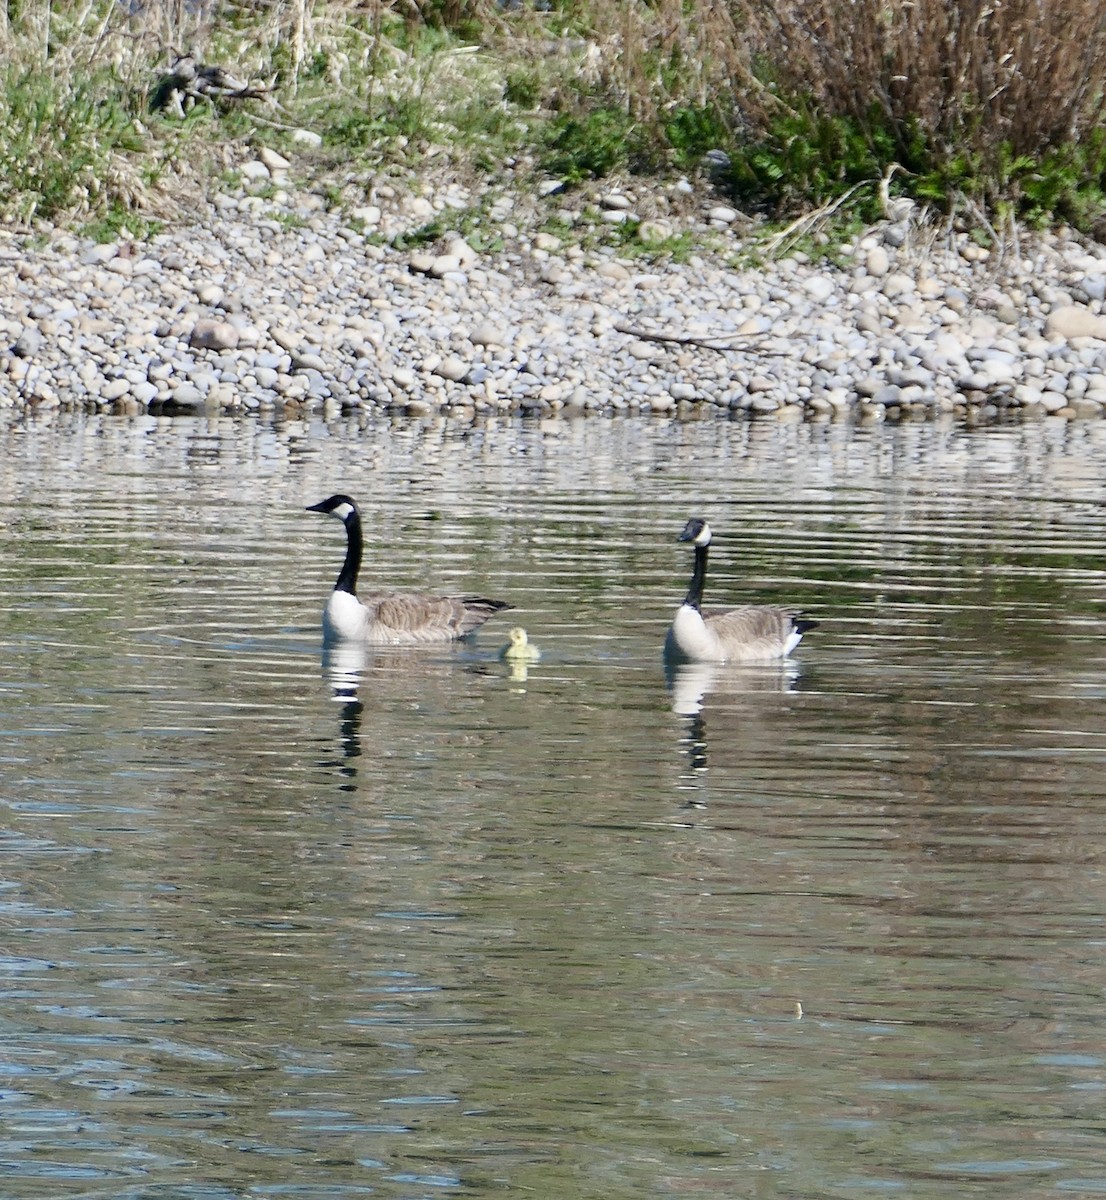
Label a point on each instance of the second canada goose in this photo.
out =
(755, 633)
(392, 619)
(519, 648)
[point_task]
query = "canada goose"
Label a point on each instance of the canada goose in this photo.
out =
(752, 634)
(392, 619)
(897, 209)
(519, 648)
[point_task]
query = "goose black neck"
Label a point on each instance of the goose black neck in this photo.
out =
(698, 578)
(347, 580)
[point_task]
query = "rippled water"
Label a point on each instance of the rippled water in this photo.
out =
(833, 930)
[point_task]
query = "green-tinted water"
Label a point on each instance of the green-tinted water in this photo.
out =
(828, 931)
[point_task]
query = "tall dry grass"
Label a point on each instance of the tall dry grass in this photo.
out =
(957, 90)
(1029, 73)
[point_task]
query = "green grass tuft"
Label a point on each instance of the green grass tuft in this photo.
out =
(810, 100)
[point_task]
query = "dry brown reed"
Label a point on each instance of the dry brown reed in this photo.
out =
(1028, 73)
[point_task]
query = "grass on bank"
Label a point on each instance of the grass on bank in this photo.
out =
(992, 109)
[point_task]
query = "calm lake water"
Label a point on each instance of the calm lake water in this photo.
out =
(574, 932)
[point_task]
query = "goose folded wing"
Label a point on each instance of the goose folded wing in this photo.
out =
(755, 630)
(432, 617)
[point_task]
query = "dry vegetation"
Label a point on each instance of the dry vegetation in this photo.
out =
(995, 106)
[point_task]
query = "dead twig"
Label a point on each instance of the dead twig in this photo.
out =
(810, 221)
(722, 343)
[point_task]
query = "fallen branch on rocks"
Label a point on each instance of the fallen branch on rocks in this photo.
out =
(189, 81)
(720, 342)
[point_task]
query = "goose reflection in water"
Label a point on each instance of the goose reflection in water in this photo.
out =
(742, 695)
(343, 668)
(689, 684)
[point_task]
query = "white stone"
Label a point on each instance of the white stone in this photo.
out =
(114, 388)
(652, 232)
(877, 261)
(460, 249)
(453, 369)
(1075, 321)
(819, 287)
(999, 371)
(489, 333)
(445, 264)
(897, 284)
(367, 214)
(722, 214)
(272, 160)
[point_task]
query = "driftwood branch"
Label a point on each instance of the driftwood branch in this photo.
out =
(719, 342)
(189, 81)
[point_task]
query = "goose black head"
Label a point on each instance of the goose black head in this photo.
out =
(696, 531)
(340, 506)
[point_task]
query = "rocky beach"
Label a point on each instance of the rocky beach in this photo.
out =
(268, 300)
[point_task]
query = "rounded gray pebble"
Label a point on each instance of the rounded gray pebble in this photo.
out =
(247, 308)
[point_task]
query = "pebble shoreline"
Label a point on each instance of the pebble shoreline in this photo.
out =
(274, 304)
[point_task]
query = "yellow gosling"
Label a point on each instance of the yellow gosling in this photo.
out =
(519, 648)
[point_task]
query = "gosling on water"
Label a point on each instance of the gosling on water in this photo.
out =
(519, 648)
(397, 618)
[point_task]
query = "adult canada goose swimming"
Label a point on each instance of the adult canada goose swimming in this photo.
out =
(756, 633)
(392, 619)
(519, 648)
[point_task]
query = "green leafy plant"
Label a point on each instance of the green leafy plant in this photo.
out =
(63, 141)
(692, 130)
(805, 158)
(116, 221)
(589, 145)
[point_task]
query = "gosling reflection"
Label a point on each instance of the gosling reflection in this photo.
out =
(518, 672)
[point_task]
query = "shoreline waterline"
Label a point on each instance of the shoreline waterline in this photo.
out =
(272, 303)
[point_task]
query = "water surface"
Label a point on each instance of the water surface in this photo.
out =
(574, 931)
